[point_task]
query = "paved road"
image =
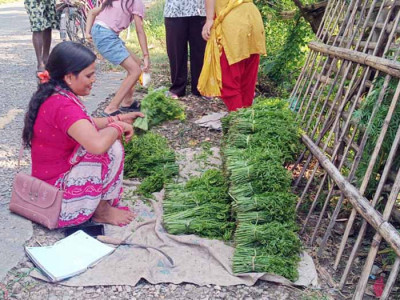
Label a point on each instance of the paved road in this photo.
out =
(17, 83)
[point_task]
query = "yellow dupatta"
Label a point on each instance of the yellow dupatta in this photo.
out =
(210, 80)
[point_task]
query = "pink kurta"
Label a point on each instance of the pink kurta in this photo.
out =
(91, 179)
(51, 144)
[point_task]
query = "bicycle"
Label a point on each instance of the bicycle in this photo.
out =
(73, 19)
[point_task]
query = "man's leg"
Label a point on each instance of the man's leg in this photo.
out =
(177, 50)
(197, 47)
(37, 40)
(46, 45)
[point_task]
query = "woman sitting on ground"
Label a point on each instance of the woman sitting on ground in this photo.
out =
(72, 150)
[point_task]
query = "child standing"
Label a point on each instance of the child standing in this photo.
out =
(103, 25)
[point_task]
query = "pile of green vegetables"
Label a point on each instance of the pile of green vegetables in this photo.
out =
(258, 141)
(149, 157)
(158, 108)
(200, 206)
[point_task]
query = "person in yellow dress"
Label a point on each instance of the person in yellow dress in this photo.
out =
(235, 37)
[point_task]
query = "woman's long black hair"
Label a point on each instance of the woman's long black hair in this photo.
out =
(66, 58)
(128, 4)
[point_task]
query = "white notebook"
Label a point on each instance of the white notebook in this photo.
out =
(69, 256)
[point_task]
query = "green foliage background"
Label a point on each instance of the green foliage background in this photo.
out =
(286, 42)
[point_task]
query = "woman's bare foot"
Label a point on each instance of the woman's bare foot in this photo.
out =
(105, 213)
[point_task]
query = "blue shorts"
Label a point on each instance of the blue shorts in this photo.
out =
(108, 43)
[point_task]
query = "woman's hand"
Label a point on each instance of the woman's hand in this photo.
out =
(128, 130)
(130, 117)
(146, 63)
(205, 33)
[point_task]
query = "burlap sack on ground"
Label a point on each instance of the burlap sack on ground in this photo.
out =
(194, 259)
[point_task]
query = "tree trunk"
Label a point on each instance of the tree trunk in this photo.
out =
(312, 13)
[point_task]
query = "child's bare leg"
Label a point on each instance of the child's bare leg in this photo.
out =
(105, 213)
(128, 100)
(133, 69)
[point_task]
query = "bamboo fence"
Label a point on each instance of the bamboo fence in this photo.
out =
(358, 41)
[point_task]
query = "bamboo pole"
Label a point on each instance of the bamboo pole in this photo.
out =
(378, 235)
(322, 36)
(362, 205)
(372, 162)
(372, 61)
(354, 166)
(347, 67)
(391, 157)
(391, 280)
(340, 201)
(327, 12)
(314, 203)
(378, 192)
(337, 147)
(366, 180)
(312, 57)
(364, 139)
(324, 66)
(305, 190)
(382, 64)
(350, 15)
(388, 209)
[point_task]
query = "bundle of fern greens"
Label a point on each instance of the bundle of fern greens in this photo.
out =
(269, 132)
(152, 183)
(279, 205)
(274, 238)
(207, 220)
(158, 108)
(275, 178)
(149, 157)
(258, 142)
(248, 259)
(286, 144)
(255, 165)
(201, 206)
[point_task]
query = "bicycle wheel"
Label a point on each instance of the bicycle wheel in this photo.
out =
(75, 26)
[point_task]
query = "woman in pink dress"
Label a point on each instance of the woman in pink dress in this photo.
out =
(72, 150)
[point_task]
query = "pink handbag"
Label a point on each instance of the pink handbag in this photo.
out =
(35, 199)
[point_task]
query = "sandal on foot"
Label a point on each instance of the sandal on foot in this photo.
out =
(104, 114)
(135, 106)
